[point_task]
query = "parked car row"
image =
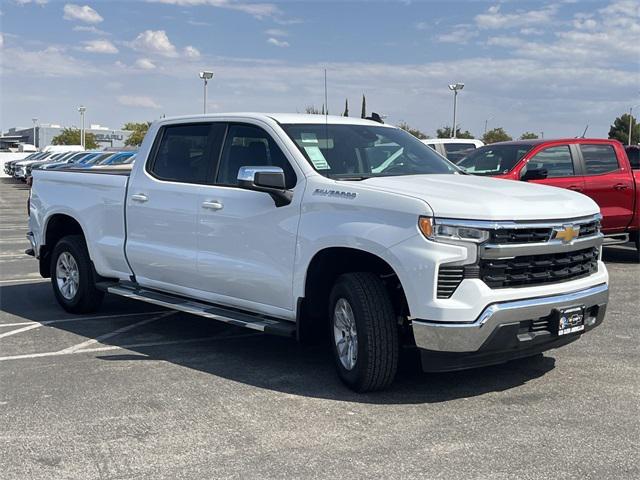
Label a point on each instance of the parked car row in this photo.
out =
(22, 169)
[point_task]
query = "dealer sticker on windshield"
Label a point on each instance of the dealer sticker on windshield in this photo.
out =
(570, 320)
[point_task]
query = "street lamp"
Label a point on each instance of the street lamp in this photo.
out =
(35, 122)
(454, 88)
(631, 121)
(82, 109)
(486, 123)
(206, 76)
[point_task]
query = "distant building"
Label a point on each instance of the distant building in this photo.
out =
(105, 137)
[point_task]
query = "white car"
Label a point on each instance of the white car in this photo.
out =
(454, 149)
(298, 225)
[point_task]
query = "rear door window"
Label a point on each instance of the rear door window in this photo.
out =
(457, 151)
(188, 153)
(599, 159)
(557, 161)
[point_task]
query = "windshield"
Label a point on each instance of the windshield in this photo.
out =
(494, 159)
(363, 151)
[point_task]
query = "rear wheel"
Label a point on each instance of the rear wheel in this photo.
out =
(363, 331)
(72, 276)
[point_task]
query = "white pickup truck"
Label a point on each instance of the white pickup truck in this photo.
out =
(327, 227)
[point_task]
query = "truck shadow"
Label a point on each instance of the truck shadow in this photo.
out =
(625, 253)
(263, 361)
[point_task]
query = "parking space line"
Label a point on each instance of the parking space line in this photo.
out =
(124, 329)
(76, 319)
(35, 278)
(19, 330)
(126, 346)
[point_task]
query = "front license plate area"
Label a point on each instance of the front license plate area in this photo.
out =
(570, 320)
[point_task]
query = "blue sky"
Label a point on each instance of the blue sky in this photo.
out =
(527, 66)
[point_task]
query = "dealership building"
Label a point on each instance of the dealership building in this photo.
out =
(44, 133)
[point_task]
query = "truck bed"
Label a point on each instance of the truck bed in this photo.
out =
(95, 200)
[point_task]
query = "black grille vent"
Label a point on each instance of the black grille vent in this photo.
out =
(520, 235)
(538, 269)
(448, 280)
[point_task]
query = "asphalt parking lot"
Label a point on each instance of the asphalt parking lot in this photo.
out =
(134, 391)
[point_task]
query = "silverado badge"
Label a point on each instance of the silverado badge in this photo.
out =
(567, 233)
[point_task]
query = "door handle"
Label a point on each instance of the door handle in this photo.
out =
(139, 197)
(620, 186)
(212, 205)
(575, 188)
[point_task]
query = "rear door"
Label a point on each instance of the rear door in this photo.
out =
(562, 165)
(163, 201)
(609, 182)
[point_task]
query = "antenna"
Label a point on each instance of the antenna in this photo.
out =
(326, 105)
(585, 131)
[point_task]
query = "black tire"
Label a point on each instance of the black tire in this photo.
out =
(377, 332)
(87, 298)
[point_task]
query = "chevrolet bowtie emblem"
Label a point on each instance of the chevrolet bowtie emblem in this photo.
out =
(567, 233)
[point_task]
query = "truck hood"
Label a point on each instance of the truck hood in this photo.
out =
(481, 198)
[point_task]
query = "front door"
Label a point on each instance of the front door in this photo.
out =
(561, 166)
(246, 245)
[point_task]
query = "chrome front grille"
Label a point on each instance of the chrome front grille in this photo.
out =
(528, 233)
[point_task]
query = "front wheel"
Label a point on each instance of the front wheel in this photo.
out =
(72, 276)
(364, 332)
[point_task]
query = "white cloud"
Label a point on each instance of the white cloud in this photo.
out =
(83, 14)
(257, 10)
(50, 62)
(505, 41)
(276, 32)
(494, 19)
(137, 101)
(1, 40)
(191, 52)
(145, 64)
(155, 42)
(460, 34)
(100, 46)
(277, 43)
(89, 29)
(531, 31)
(37, 2)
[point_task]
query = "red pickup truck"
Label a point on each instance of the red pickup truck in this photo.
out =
(595, 167)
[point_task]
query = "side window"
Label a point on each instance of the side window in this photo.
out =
(556, 161)
(599, 159)
(249, 146)
(432, 145)
(457, 151)
(187, 153)
(634, 157)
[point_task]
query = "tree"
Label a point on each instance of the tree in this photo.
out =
(311, 109)
(346, 108)
(528, 136)
(445, 132)
(364, 107)
(413, 131)
(71, 136)
(620, 129)
(138, 131)
(496, 135)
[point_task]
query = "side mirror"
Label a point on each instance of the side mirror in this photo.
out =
(535, 174)
(269, 180)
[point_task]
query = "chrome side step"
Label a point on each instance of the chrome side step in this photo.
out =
(202, 309)
(615, 239)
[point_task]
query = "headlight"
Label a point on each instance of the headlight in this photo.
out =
(445, 232)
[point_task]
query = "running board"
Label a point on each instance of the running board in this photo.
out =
(254, 322)
(615, 239)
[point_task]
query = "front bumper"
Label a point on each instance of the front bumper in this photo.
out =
(507, 330)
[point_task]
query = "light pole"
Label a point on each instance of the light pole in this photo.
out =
(82, 109)
(206, 76)
(454, 88)
(486, 123)
(631, 122)
(35, 122)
